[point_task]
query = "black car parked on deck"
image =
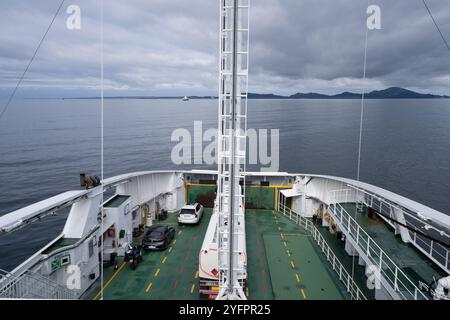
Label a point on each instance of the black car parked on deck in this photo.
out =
(158, 237)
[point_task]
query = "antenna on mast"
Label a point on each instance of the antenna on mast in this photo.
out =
(233, 88)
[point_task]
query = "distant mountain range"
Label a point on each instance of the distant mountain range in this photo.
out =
(389, 93)
(140, 97)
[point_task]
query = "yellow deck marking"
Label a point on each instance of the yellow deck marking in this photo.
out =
(174, 241)
(292, 264)
(288, 253)
(285, 244)
(192, 288)
(282, 237)
(246, 291)
(149, 287)
(179, 232)
(157, 272)
(164, 260)
(170, 249)
(303, 293)
(109, 281)
(196, 275)
(279, 229)
(297, 277)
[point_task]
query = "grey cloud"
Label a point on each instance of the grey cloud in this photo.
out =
(171, 47)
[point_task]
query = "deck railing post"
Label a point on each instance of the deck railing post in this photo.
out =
(381, 259)
(395, 279)
(446, 259)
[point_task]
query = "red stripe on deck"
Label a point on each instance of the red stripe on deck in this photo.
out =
(265, 283)
(175, 285)
(185, 258)
(181, 270)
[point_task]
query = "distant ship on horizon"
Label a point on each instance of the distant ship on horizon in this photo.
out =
(185, 98)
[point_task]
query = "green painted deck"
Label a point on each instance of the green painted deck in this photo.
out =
(283, 263)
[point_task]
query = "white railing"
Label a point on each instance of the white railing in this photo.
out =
(30, 285)
(432, 249)
(352, 288)
(367, 247)
(437, 252)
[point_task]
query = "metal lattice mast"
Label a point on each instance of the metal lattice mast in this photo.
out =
(233, 88)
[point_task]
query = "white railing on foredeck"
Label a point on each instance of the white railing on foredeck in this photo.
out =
(352, 288)
(30, 285)
(434, 250)
(365, 245)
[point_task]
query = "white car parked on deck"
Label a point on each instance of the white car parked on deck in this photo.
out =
(190, 214)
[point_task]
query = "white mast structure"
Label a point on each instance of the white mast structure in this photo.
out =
(233, 88)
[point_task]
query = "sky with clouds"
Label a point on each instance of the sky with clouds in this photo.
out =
(170, 47)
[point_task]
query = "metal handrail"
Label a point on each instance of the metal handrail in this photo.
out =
(434, 250)
(438, 253)
(32, 285)
(344, 276)
(394, 276)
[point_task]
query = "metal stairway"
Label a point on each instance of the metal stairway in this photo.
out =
(233, 88)
(30, 285)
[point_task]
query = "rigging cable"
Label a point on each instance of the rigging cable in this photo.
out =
(362, 113)
(102, 140)
(436, 25)
(13, 93)
(361, 125)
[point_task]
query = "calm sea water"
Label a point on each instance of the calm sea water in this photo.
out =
(45, 144)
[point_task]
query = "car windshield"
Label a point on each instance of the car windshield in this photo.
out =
(187, 211)
(158, 233)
